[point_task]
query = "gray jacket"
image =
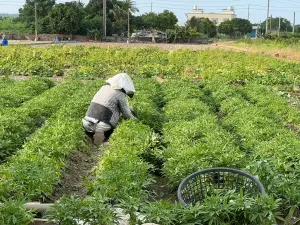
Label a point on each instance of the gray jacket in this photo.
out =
(108, 104)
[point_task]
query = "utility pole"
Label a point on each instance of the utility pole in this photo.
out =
(249, 12)
(128, 35)
(267, 17)
(271, 24)
(151, 5)
(279, 26)
(104, 18)
(35, 13)
(294, 22)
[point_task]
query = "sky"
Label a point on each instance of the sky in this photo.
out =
(258, 8)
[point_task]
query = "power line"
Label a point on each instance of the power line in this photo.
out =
(249, 12)
(219, 7)
(215, 8)
(104, 18)
(284, 2)
(191, 3)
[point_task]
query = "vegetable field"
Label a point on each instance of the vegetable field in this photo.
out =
(195, 110)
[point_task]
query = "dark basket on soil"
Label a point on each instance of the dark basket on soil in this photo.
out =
(200, 185)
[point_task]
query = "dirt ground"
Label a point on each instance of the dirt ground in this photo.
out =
(77, 173)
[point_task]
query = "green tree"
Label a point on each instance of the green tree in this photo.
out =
(226, 27)
(179, 34)
(27, 13)
(203, 26)
(160, 21)
(119, 24)
(13, 26)
(66, 18)
(241, 26)
(149, 20)
(122, 13)
(93, 27)
(285, 25)
(297, 28)
(166, 20)
(138, 22)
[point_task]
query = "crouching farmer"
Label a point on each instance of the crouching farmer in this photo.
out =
(106, 107)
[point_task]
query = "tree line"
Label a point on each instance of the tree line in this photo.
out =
(75, 18)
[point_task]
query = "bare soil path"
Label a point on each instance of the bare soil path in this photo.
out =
(77, 172)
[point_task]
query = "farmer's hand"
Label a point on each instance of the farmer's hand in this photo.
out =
(134, 118)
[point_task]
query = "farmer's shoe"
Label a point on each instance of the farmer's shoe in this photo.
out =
(98, 138)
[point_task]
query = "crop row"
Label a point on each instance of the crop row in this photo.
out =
(123, 173)
(36, 168)
(19, 92)
(5, 82)
(17, 124)
(148, 62)
(116, 176)
(195, 139)
(272, 148)
(147, 103)
(274, 105)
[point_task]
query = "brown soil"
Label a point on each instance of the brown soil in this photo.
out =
(293, 127)
(285, 54)
(161, 80)
(79, 167)
(160, 190)
(143, 45)
(294, 99)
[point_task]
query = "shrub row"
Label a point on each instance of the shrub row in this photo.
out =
(147, 103)
(5, 82)
(17, 93)
(19, 123)
(195, 139)
(122, 174)
(13, 212)
(148, 62)
(273, 149)
(272, 103)
(117, 173)
(37, 167)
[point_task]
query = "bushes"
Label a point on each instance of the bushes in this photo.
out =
(5, 82)
(147, 103)
(195, 140)
(117, 173)
(256, 122)
(90, 210)
(272, 104)
(230, 208)
(148, 62)
(18, 124)
(37, 167)
(14, 213)
(21, 91)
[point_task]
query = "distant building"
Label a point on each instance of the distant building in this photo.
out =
(7, 15)
(254, 33)
(180, 24)
(216, 18)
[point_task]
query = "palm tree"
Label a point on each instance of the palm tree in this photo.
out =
(121, 9)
